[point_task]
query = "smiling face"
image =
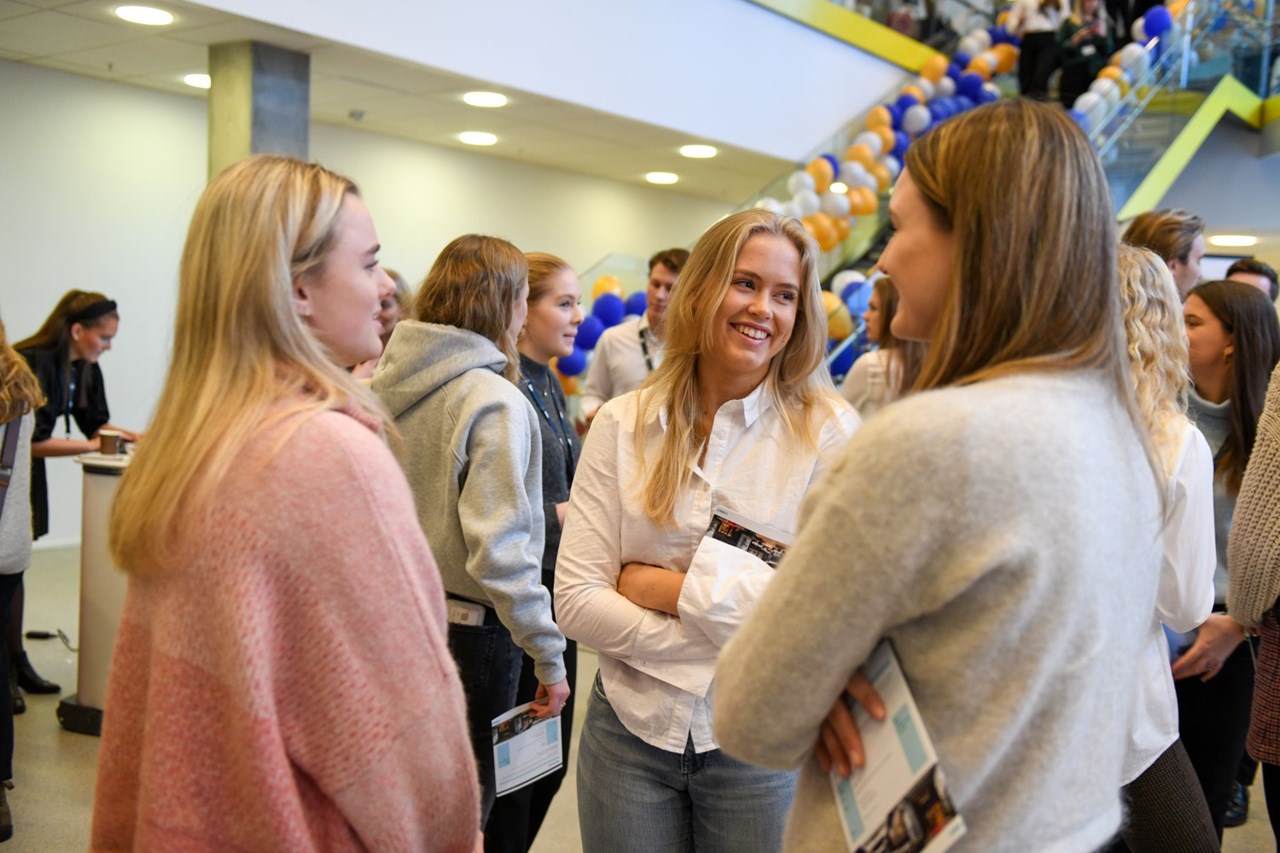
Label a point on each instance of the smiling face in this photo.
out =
(919, 259)
(756, 316)
(89, 342)
(552, 325)
(340, 299)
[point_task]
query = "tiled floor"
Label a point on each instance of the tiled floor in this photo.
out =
(54, 769)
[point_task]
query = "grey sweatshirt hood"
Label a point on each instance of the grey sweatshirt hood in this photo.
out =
(421, 357)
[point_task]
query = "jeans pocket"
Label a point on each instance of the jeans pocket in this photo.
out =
(473, 647)
(597, 687)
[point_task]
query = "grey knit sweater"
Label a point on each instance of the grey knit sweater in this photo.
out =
(1254, 549)
(1006, 537)
(15, 519)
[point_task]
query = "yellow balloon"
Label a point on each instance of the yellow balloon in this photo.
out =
(1111, 72)
(915, 92)
(568, 383)
(887, 139)
(934, 68)
(839, 323)
(860, 154)
(820, 170)
(843, 227)
(980, 66)
(1002, 18)
(824, 231)
(606, 284)
(879, 117)
(881, 173)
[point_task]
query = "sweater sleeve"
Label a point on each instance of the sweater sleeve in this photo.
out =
(500, 510)
(589, 606)
(1184, 597)
(1254, 546)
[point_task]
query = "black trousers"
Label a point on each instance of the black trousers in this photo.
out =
(1213, 720)
(1036, 62)
(8, 586)
(1271, 784)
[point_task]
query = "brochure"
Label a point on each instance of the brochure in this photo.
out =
(525, 748)
(897, 802)
(759, 540)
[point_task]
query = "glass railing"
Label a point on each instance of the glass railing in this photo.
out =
(937, 24)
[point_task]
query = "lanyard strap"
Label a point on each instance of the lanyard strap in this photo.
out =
(71, 398)
(558, 426)
(644, 348)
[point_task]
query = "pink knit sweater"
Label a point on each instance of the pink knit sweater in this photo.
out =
(287, 685)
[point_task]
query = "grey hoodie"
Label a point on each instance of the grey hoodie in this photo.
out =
(468, 444)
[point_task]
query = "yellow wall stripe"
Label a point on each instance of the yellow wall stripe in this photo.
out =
(853, 29)
(1229, 96)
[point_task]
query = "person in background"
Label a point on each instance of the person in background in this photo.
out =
(1085, 45)
(981, 523)
(281, 677)
(1175, 235)
(1234, 345)
(740, 400)
(391, 310)
(1164, 806)
(1036, 22)
(628, 353)
(1257, 273)
(549, 332)
(472, 451)
(20, 397)
(64, 356)
(883, 375)
(1253, 597)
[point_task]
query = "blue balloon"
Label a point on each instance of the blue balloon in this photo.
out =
(986, 96)
(906, 102)
(589, 332)
(961, 59)
(573, 363)
(856, 298)
(844, 360)
(610, 309)
(938, 111)
(835, 164)
(1156, 21)
(970, 85)
(901, 141)
(954, 71)
(966, 103)
(1080, 119)
(849, 291)
(895, 115)
(636, 304)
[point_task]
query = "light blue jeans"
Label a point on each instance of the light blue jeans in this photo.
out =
(636, 797)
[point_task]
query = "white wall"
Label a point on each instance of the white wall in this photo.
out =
(98, 181)
(724, 70)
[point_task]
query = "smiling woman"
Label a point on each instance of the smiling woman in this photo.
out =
(741, 398)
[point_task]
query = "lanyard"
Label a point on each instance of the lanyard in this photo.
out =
(644, 348)
(558, 426)
(71, 399)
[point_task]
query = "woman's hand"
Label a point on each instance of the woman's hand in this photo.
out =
(561, 510)
(839, 743)
(651, 587)
(1216, 640)
(549, 700)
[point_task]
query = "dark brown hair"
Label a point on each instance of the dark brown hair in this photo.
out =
(1257, 267)
(672, 259)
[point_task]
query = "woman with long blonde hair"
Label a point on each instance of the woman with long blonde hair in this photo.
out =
(1000, 526)
(20, 398)
(740, 417)
(277, 572)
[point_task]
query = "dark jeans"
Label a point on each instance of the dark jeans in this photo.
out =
(517, 817)
(489, 663)
(1036, 62)
(1213, 721)
(8, 586)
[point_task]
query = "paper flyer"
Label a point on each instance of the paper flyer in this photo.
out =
(759, 540)
(525, 748)
(897, 802)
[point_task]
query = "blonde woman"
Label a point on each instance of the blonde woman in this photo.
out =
(1164, 806)
(20, 398)
(886, 373)
(277, 572)
(448, 377)
(740, 414)
(1001, 526)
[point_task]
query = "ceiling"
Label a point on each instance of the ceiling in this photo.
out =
(389, 96)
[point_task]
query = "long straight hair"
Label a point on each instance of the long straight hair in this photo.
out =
(797, 382)
(20, 391)
(1250, 318)
(908, 355)
(243, 360)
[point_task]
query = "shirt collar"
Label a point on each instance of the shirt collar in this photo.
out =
(752, 406)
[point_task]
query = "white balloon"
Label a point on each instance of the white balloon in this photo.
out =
(869, 181)
(770, 204)
(871, 140)
(924, 86)
(807, 202)
(916, 119)
(982, 37)
(993, 61)
(946, 87)
(800, 181)
(852, 173)
(1093, 105)
(1139, 32)
(970, 46)
(843, 279)
(891, 163)
(790, 208)
(1131, 56)
(1108, 89)
(835, 204)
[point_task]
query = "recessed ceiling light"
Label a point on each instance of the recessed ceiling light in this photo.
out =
(198, 81)
(662, 177)
(488, 100)
(145, 15)
(698, 152)
(838, 187)
(477, 137)
(1233, 240)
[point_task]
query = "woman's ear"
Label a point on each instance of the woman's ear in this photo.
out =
(302, 286)
(1230, 349)
(76, 330)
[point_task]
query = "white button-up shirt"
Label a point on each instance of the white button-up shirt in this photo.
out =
(618, 363)
(657, 669)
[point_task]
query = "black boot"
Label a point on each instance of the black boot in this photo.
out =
(15, 695)
(1238, 807)
(28, 679)
(6, 817)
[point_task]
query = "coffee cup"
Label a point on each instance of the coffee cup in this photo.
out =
(110, 442)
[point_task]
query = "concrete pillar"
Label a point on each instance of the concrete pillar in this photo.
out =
(259, 102)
